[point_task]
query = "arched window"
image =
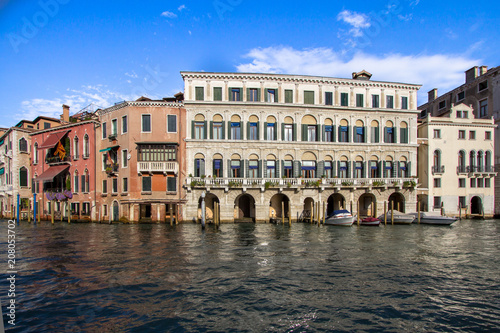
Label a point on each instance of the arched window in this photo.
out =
(236, 124)
(343, 167)
(253, 167)
(76, 150)
(359, 131)
(253, 128)
(389, 134)
(388, 167)
(271, 167)
(235, 165)
(270, 130)
(472, 161)
(437, 161)
(308, 165)
(218, 128)
(461, 161)
(403, 129)
(288, 167)
(23, 145)
(358, 168)
(374, 167)
(217, 169)
(199, 126)
(309, 129)
(23, 177)
(199, 165)
(86, 146)
(403, 171)
(375, 136)
(487, 162)
(328, 167)
(86, 182)
(35, 153)
(75, 182)
(344, 131)
(328, 132)
(480, 161)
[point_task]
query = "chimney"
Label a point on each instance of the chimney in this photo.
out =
(432, 95)
(483, 70)
(65, 115)
(471, 74)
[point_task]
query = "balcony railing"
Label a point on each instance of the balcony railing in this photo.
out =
(265, 183)
(111, 168)
(481, 169)
(437, 169)
(5, 188)
(112, 136)
(150, 167)
(57, 159)
(462, 169)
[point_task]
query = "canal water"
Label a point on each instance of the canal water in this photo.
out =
(255, 278)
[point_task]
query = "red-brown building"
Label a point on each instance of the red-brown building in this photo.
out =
(64, 158)
(141, 163)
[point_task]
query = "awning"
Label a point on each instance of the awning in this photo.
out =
(53, 139)
(2, 171)
(108, 149)
(52, 172)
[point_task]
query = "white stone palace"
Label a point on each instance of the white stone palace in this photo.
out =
(264, 145)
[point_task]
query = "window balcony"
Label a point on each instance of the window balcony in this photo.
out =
(152, 167)
(487, 169)
(57, 160)
(298, 183)
(437, 170)
(462, 169)
(112, 168)
(112, 136)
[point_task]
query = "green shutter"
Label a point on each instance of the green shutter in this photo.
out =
(245, 168)
(205, 129)
(322, 133)
(229, 95)
(211, 130)
(308, 97)
(318, 133)
(408, 169)
(223, 130)
(294, 132)
(354, 136)
(377, 134)
(265, 95)
(276, 98)
(265, 131)
(363, 174)
(248, 94)
(277, 168)
(217, 94)
(334, 131)
(192, 130)
(248, 130)
(282, 131)
(365, 134)
(304, 132)
(282, 168)
(395, 131)
(338, 168)
(333, 169)
(394, 168)
(296, 169)
(258, 130)
(229, 169)
(199, 93)
(241, 131)
(288, 96)
(229, 130)
(202, 167)
(320, 169)
(259, 173)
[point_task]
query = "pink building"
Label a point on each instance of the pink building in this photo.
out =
(63, 158)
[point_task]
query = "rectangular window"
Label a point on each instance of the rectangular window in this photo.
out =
(308, 97)
(114, 127)
(124, 158)
(288, 96)
(253, 169)
(124, 125)
(461, 182)
(483, 108)
(460, 96)
(311, 133)
(46, 125)
(104, 210)
(171, 123)
(146, 123)
(236, 168)
(472, 135)
(217, 169)
(156, 152)
(199, 130)
(480, 182)
(487, 182)
(487, 135)
(459, 114)
(271, 131)
(482, 85)
(288, 169)
(253, 134)
(344, 134)
(359, 100)
(115, 185)
(125, 185)
(104, 186)
(404, 103)
(217, 93)
(375, 101)
(236, 131)
(461, 134)
(75, 184)
(200, 93)
(271, 169)
(235, 94)
(437, 134)
(462, 202)
(328, 133)
(328, 98)
(360, 134)
(442, 105)
(288, 135)
(171, 184)
(217, 131)
(104, 134)
(390, 102)
(146, 184)
(253, 95)
(437, 202)
(473, 182)
(344, 99)
(84, 189)
(437, 182)
(271, 95)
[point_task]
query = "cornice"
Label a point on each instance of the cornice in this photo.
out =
(62, 127)
(140, 104)
(298, 79)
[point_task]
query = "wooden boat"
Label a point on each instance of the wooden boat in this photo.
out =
(434, 218)
(399, 218)
(340, 217)
(370, 221)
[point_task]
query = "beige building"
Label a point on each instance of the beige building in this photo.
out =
(140, 167)
(262, 143)
(481, 90)
(455, 162)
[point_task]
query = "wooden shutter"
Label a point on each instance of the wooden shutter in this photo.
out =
(296, 169)
(282, 131)
(408, 169)
(248, 130)
(229, 175)
(192, 130)
(223, 130)
(294, 132)
(205, 129)
(259, 173)
(320, 169)
(229, 130)
(202, 167)
(211, 130)
(265, 131)
(304, 132)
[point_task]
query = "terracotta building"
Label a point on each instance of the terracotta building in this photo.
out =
(141, 166)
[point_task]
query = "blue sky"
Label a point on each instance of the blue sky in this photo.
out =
(81, 52)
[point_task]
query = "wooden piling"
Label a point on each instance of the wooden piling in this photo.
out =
(312, 213)
(68, 206)
(351, 207)
(52, 210)
(392, 212)
(177, 214)
(319, 212)
(459, 210)
(385, 212)
(374, 213)
(29, 212)
(289, 214)
(324, 212)
(418, 209)
(282, 212)
(359, 211)
(398, 207)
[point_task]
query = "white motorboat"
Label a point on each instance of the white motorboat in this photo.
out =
(434, 218)
(340, 217)
(399, 218)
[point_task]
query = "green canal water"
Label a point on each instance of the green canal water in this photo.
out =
(254, 278)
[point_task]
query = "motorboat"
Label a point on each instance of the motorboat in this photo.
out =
(434, 218)
(370, 221)
(399, 218)
(340, 217)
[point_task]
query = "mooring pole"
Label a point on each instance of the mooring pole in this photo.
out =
(203, 210)
(171, 211)
(385, 212)
(52, 210)
(418, 208)
(34, 208)
(392, 212)
(68, 207)
(18, 199)
(324, 212)
(282, 212)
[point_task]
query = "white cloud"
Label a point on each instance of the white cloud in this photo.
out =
(443, 71)
(358, 21)
(168, 14)
(133, 74)
(77, 99)
(181, 7)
